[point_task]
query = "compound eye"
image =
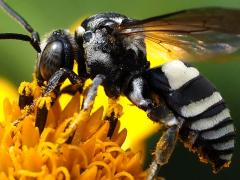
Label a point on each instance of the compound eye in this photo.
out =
(52, 58)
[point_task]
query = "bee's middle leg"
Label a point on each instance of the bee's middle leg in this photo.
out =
(139, 93)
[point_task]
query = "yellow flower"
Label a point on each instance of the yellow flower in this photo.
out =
(73, 145)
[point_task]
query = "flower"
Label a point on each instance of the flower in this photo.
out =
(73, 145)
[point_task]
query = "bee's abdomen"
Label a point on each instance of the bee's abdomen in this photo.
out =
(212, 134)
(208, 127)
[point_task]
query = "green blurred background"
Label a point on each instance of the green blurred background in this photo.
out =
(17, 61)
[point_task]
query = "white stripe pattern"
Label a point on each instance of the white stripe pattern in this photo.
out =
(227, 157)
(207, 123)
(224, 145)
(215, 134)
(198, 107)
(178, 73)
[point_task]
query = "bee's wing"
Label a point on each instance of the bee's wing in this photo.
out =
(191, 34)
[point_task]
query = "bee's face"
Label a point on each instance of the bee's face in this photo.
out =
(99, 43)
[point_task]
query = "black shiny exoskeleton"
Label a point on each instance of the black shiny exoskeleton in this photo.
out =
(110, 49)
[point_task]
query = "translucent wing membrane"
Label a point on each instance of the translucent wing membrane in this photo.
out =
(196, 33)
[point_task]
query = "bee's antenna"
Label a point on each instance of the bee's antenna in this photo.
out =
(34, 39)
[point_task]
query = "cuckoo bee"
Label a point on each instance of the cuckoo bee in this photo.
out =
(110, 49)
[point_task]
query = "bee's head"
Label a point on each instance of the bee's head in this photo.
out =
(58, 50)
(96, 37)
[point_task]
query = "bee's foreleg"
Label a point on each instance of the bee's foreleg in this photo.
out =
(46, 100)
(92, 91)
(59, 76)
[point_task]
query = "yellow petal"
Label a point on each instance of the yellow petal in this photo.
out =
(53, 115)
(103, 131)
(72, 107)
(90, 173)
(3, 176)
(93, 123)
(7, 90)
(31, 160)
(29, 130)
(121, 137)
(133, 164)
(5, 157)
(89, 148)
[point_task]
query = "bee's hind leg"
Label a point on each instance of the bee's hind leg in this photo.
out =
(163, 151)
(166, 144)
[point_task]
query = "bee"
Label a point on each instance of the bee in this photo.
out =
(110, 49)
